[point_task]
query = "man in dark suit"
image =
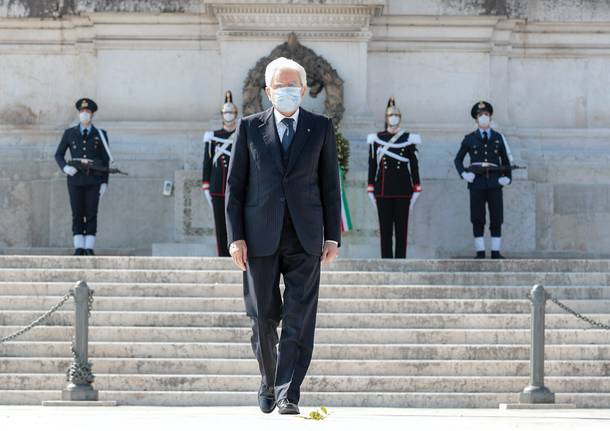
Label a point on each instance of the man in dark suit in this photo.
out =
(88, 147)
(283, 218)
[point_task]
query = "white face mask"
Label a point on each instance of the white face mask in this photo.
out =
(84, 117)
(484, 121)
(393, 120)
(228, 117)
(286, 99)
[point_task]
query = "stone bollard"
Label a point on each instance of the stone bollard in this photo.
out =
(536, 392)
(79, 374)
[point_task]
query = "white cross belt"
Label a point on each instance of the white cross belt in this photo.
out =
(384, 147)
(223, 148)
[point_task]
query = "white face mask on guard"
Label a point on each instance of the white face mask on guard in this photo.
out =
(228, 117)
(84, 117)
(484, 121)
(286, 99)
(393, 120)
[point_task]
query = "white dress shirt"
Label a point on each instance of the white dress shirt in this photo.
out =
(281, 127)
(488, 131)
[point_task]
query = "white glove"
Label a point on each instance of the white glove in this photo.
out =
(414, 197)
(103, 189)
(208, 197)
(468, 176)
(70, 170)
(504, 181)
(373, 200)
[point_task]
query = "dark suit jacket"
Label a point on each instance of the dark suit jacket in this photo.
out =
(260, 187)
(493, 152)
(90, 148)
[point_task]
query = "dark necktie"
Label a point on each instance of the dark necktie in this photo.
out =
(485, 137)
(288, 134)
(85, 133)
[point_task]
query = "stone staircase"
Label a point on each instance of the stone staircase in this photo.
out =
(415, 333)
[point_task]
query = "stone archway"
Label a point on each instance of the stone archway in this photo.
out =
(320, 76)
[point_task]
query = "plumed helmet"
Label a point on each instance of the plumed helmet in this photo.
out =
(228, 106)
(392, 109)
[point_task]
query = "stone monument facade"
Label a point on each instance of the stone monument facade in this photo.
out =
(159, 69)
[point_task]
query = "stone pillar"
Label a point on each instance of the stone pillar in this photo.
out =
(536, 392)
(79, 374)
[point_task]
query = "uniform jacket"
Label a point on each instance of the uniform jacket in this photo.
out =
(393, 178)
(493, 152)
(215, 174)
(90, 148)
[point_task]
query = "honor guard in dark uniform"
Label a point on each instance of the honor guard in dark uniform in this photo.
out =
(489, 171)
(217, 148)
(393, 181)
(88, 147)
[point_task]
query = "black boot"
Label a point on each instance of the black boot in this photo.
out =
(480, 255)
(89, 252)
(496, 255)
(79, 252)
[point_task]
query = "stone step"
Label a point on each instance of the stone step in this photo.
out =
(312, 383)
(323, 335)
(215, 263)
(327, 277)
(428, 333)
(315, 399)
(559, 368)
(219, 290)
(322, 351)
(30, 253)
(334, 305)
(324, 320)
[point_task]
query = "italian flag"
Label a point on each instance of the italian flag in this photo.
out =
(346, 219)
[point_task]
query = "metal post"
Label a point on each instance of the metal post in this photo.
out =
(536, 392)
(79, 374)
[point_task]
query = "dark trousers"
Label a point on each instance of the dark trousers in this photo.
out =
(84, 201)
(283, 369)
(393, 217)
(493, 199)
(218, 206)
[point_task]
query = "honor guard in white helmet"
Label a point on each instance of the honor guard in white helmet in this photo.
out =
(217, 152)
(393, 180)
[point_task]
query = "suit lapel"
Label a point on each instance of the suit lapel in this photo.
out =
(300, 138)
(269, 134)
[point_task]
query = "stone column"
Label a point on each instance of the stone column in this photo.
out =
(536, 392)
(79, 374)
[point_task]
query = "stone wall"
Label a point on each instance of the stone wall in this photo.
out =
(158, 70)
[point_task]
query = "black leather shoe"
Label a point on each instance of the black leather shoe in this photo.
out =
(496, 255)
(89, 252)
(266, 399)
(480, 255)
(285, 407)
(79, 252)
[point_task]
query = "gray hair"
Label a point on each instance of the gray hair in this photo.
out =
(283, 63)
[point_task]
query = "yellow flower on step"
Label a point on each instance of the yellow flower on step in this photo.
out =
(317, 415)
